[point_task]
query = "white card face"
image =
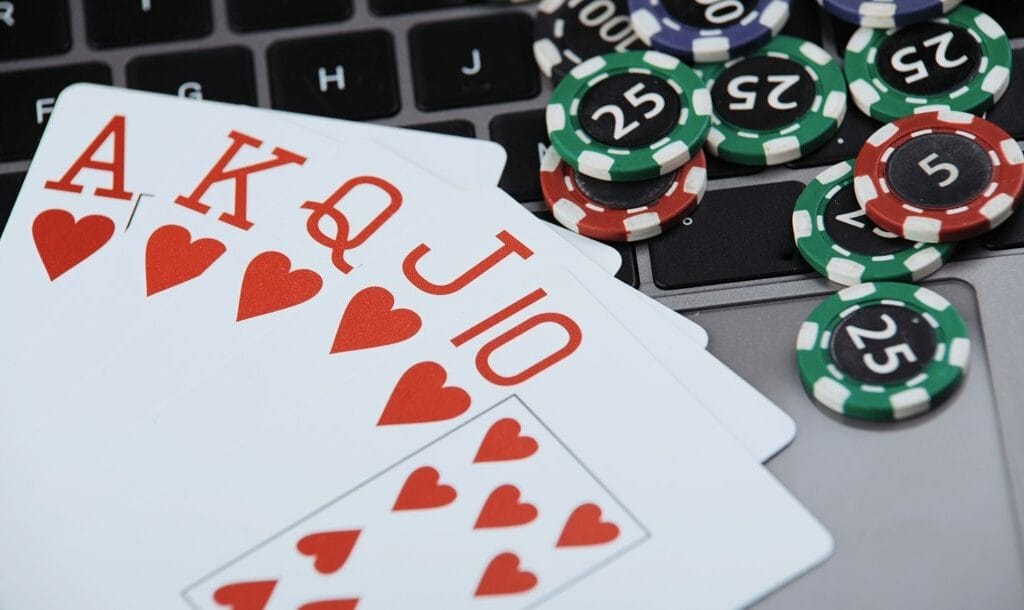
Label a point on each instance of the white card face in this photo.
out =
(721, 531)
(458, 523)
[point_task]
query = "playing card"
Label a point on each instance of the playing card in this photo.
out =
(473, 516)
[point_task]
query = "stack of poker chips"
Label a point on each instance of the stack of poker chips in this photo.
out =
(646, 87)
(934, 174)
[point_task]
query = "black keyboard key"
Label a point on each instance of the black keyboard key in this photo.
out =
(117, 23)
(717, 168)
(27, 99)
(734, 235)
(249, 15)
(224, 75)
(804, 21)
(855, 130)
(525, 138)
(455, 127)
(395, 7)
(29, 28)
(627, 273)
(473, 61)
(1007, 14)
(345, 76)
(1010, 234)
(1007, 113)
(10, 184)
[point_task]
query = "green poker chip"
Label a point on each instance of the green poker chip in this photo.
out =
(628, 116)
(776, 104)
(961, 61)
(882, 351)
(837, 239)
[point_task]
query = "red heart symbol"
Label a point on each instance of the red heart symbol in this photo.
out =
(270, 285)
(173, 258)
(330, 550)
(503, 509)
(503, 442)
(423, 489)
(370, 320)
(245, 595)
(584, 527)
(503, 577)
(62, 242)
(420, 396)
(331, 604)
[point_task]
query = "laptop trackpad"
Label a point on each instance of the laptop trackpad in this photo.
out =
(921, 511)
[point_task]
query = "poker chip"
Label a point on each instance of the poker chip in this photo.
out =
(837, 239)
(567, 32)
(704, 31)
(628, 116)
(621, 211)
(961, 61)
(887, 13)
(939, 176)
(776, 104)
(882, 351)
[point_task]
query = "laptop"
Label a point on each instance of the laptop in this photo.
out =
(926, 513)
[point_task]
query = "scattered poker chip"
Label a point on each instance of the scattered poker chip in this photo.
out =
(887, 13)
(961, 61)
(704, 31)
(837, 239)
(882, 351)
(621, 211)
(775, 105)
(567, 32)
(629, 116)
(939, 176)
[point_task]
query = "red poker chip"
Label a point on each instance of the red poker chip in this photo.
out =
(578, 212)
(939, 176)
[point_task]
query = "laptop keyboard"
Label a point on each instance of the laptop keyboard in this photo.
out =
(356, 61)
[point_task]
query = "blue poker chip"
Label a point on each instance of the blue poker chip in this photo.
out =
(707, 31)
(885, 14)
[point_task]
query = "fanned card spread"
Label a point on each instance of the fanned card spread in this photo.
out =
(261, 361)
